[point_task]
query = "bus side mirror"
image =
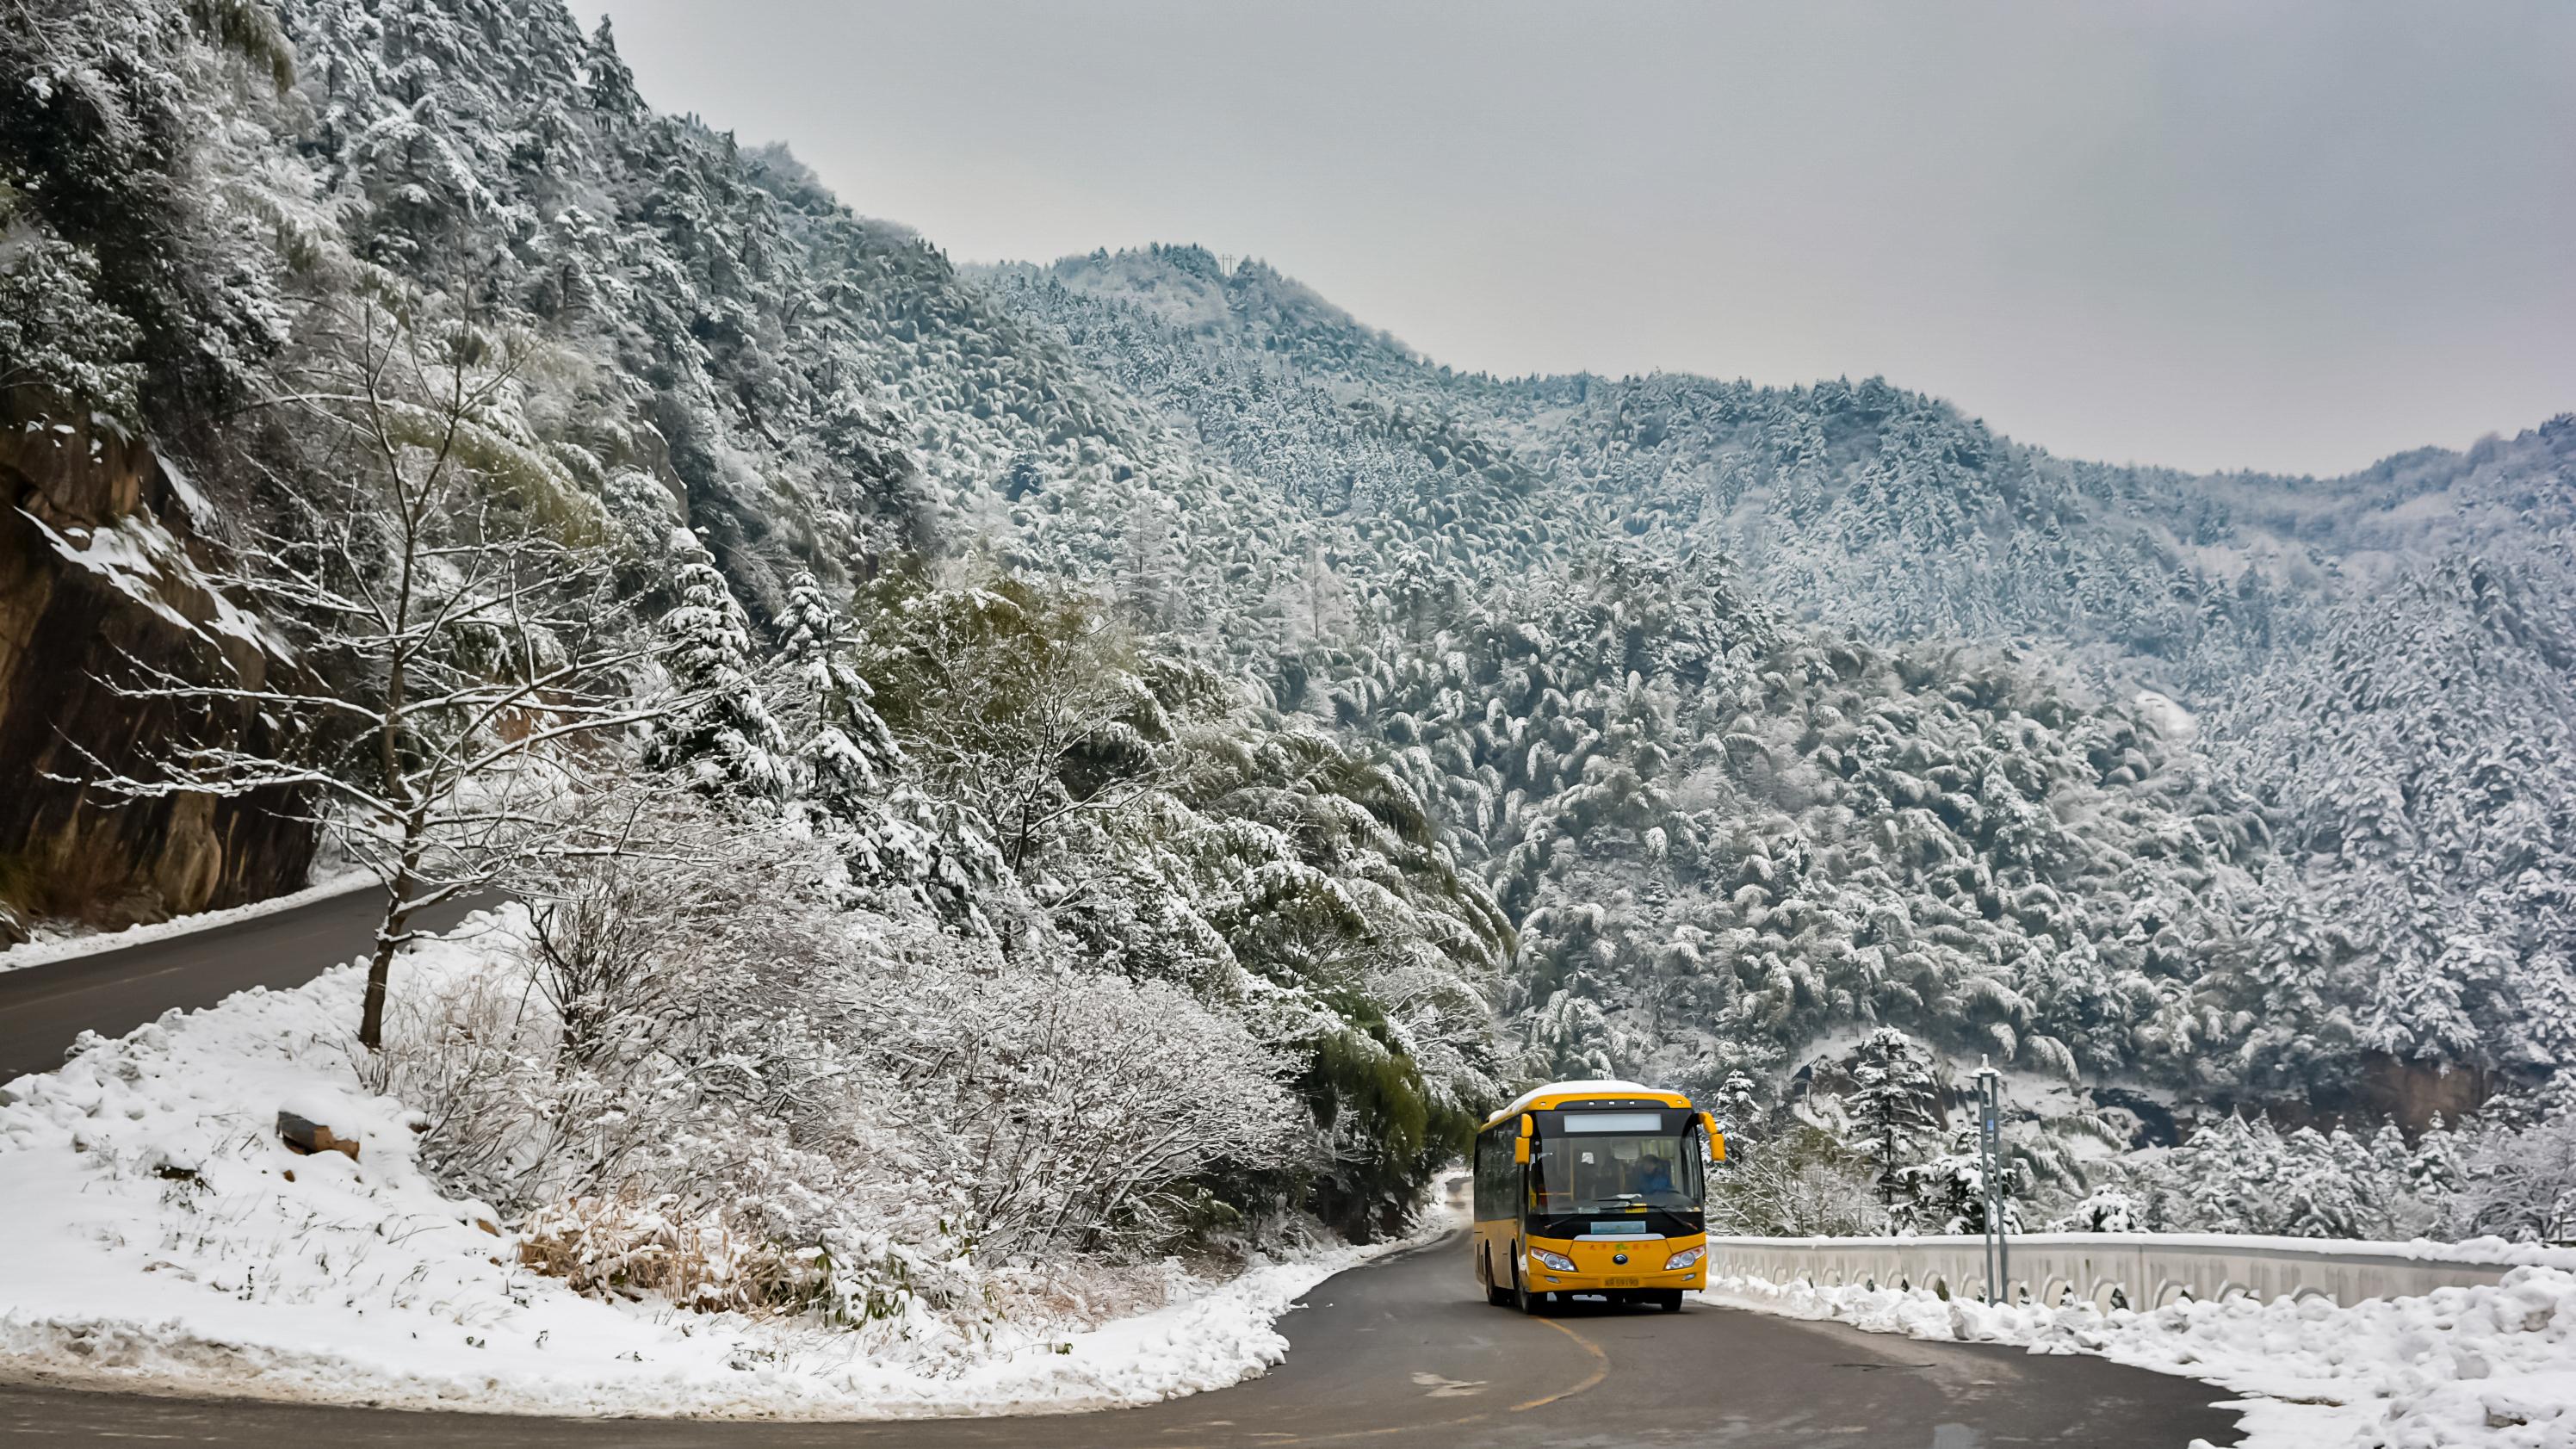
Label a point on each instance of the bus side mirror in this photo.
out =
(1520, 1149)
(1716, 1139)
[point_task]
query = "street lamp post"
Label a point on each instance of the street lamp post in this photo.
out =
(1990, 1164)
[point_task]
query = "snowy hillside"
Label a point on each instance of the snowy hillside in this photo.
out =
(2329, 833)
(1141, 622)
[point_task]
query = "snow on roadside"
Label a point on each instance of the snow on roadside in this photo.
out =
(47, 949)
(2490, 1367)
(162, 1238)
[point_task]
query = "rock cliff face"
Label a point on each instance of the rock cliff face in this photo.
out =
(96, 574)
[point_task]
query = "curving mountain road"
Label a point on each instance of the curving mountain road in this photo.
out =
(1404, 1352)
(42, 1008)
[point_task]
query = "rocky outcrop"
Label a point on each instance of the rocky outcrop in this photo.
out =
(97, 571)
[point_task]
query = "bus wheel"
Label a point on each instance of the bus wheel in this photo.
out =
(1522, 1298)
(1668, 1299)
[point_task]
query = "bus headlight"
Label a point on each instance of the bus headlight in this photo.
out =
(1685, 1258)
(1558, 1261)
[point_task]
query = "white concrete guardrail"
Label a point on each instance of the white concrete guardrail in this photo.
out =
(2134, 1270)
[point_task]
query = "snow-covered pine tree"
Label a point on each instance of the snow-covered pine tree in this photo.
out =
(1737, 1107)
(843, 751)
(1895, 1108)
(725, 740)
(1571, 1040)
(2434, 1167)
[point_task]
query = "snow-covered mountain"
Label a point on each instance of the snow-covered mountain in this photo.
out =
(2330, 707)
(1762, 714)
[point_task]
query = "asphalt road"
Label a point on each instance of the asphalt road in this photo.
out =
(1404, 1352)
(42, 1008)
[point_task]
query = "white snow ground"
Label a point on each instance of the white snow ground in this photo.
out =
(161, 1238)
(2493, 1368)
(47, 948)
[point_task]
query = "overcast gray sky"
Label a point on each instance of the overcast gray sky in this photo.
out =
(2294, 237)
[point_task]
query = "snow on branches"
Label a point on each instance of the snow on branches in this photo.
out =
(452, 658)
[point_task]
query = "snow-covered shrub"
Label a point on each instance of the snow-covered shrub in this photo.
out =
(699, 1258)
(1946, 1193)
(2103, 1210)
(59, 342)
(689, 1069)
(2520, 1183)
(1801, 1182)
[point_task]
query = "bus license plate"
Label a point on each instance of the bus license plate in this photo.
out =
(1623, 1282)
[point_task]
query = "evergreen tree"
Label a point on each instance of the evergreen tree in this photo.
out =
(2434, 1168)
(846, 758)
(725, 740)
(1895, 1108)
(1737, 1108)
(2103, 1210)
(1571, 1040)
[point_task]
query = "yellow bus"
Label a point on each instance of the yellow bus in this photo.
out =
(1593, 1188)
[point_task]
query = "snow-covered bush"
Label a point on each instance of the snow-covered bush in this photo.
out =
(169, 1241)
(629, 1246)
(689, 1068)
(1801, 1182)
(2519, 1183)
(1946, 1193)
(2103, 1210)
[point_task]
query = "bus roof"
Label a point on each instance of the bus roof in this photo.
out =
(1541, 1099)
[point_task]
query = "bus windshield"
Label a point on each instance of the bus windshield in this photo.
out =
(1615, 1173)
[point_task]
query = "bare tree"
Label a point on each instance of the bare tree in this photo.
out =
(450, 653)
(2522, 1184)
